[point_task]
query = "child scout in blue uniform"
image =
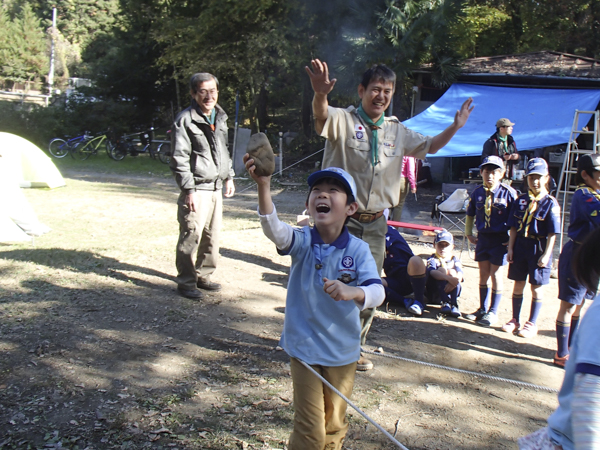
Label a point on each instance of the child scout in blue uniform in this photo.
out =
(444, 274)
(534, 221)
(332, 277)
(584, 217)
(405, 273)
(488, 208)
(576, 422)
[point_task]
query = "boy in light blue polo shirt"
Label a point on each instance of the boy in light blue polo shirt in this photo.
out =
(332, 278)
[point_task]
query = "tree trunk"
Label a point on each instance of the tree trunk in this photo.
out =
(306, 114)
(261, 107)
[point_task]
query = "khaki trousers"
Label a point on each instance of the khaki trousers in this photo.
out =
(404, 190)
(373, 234)
(319, 413)
(198, 245)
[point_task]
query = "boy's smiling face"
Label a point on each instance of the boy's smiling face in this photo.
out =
(328, 203)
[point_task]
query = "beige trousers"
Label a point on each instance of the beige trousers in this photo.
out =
(319, 413)
(198, 245)
(404, 190)
(373, 234)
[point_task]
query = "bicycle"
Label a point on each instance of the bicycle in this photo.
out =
(84, 150)
(164, 150)
(59, 148)
(124, 145)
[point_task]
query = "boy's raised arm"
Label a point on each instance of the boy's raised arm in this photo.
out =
(265, 201)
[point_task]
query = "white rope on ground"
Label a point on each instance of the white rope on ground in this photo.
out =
(358, 410)
(284, 169)
(466, 372)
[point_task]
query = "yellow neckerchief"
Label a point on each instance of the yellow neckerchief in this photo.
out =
(531, 208)
(488, 205)
(591, 191)
(443, 263)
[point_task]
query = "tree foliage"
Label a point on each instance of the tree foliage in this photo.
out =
(141, 53)
(23, 46)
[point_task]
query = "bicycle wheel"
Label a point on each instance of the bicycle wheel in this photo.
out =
(164, 153)
(81, 151)
(118, 152)
(108, 147)
(153, 150)
(58, 148)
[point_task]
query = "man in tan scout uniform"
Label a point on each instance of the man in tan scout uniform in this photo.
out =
(370, 147)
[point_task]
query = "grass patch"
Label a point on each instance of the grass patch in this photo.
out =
(103, 164)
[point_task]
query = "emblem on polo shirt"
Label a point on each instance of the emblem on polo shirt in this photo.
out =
(346, 278)
(348, 262)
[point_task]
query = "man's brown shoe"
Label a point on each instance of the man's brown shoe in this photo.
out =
(363, 364)
(208, 285)
(193, 294)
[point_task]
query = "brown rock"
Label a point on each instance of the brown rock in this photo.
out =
(259, 149)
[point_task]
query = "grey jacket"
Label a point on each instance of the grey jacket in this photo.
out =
(200, 156)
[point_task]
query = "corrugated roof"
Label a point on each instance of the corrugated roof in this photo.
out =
(544, 63)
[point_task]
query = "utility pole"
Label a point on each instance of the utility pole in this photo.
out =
(52, 52)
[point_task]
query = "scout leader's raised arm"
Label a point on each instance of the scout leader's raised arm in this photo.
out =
(322, 86)
(460, 119)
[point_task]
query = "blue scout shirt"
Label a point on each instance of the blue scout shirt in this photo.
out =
(583, 358)
(317, 329)
(397, 253)
(502, 198)
(585, 213)
(546, 217)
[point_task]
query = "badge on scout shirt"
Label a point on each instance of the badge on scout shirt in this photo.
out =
(359, 130)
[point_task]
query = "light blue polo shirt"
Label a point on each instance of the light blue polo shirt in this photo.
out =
(583, 358)
(317, 329)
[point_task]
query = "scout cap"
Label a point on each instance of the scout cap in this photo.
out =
(492, 161)
(444, 236)
(589, 163)
(339, 174)
(537, 166)
(504, 123)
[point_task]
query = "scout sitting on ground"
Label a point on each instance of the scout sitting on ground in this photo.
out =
(332, 278)
(404, 273)
(488, 208)
(444, 275)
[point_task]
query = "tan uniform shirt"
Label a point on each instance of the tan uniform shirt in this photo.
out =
(348, 147)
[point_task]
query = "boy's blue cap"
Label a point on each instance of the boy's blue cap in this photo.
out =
(334, 172)
(492, 161)
(537, 166)
(444, 236)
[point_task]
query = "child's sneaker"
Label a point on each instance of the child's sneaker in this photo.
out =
(476, 315)
(415, 309)
(511, 326)
(529, 330)
(454, 311)
(446, 309)
(488, 319)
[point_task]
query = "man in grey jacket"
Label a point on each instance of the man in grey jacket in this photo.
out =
(201, 163)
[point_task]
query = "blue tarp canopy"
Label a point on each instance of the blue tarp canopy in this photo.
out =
(542, 117)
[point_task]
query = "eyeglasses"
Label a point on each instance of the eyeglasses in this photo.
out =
(205, 92)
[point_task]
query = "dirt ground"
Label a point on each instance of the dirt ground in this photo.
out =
(99, 351)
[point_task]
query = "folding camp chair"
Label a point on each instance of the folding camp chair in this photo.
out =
(451, 206)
